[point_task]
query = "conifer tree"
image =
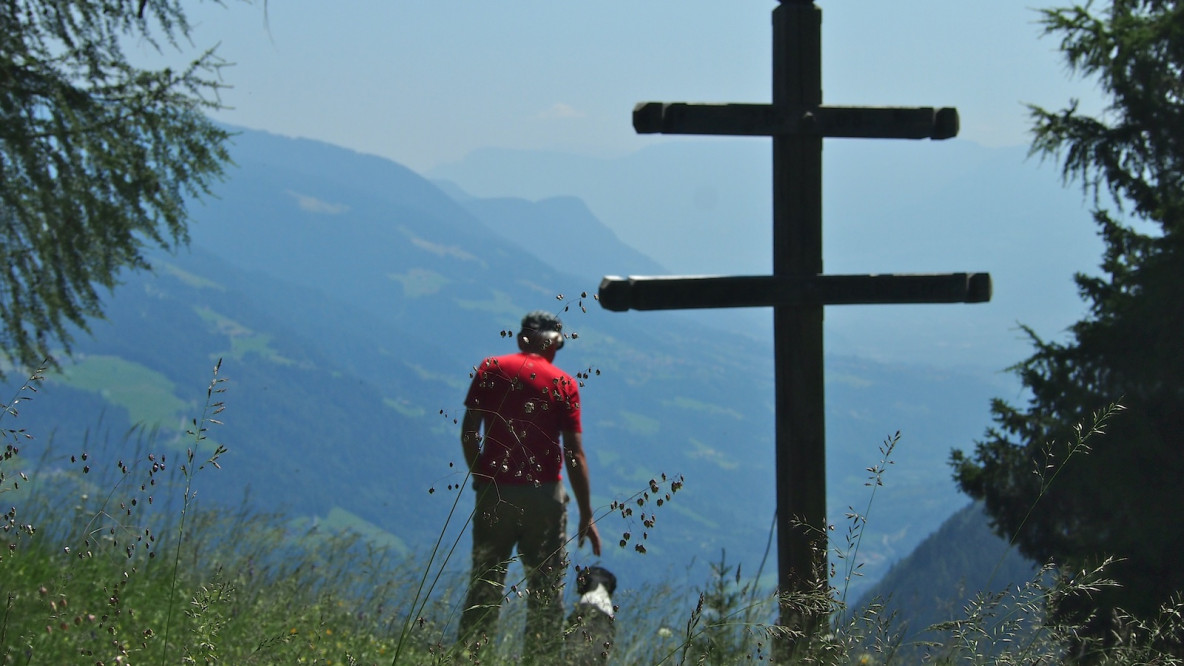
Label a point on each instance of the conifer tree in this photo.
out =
(97, 157)
(1122, 497)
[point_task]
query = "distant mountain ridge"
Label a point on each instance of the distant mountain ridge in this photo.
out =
(564, 230)
(961, 562)
(350, 299)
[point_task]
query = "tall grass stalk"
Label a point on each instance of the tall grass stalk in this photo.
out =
(422, 596)
(858, 521)
(212, 408)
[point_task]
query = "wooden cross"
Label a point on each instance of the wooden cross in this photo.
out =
(797, 290)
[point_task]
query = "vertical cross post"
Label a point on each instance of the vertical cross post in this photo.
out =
(797, 252)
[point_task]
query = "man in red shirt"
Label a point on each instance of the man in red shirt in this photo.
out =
(529, 411)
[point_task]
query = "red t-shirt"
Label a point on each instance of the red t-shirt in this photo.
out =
(525, 403)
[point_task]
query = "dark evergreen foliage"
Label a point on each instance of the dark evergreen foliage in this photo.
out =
(97, 157)
(1122, 498)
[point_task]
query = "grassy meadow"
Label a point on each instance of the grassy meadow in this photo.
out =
(116, 558)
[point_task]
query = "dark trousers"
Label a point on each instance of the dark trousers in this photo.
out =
(533, 519)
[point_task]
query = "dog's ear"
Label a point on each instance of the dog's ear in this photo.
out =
(583, 580)
(591, 576)
(610, 582)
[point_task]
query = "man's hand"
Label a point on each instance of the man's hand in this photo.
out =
(577, 473)
(588, 531)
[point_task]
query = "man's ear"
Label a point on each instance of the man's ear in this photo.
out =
(540, 341)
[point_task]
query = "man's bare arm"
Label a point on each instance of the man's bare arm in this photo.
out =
(470, 436)
(581, 487)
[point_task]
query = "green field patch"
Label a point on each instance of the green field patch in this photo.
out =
(703, 407)
(848, 379)
(419, 282)
(639, 424)
(538, 288)
(257, 344)
(146, 394)
(458, 382)
(629, 478)
(339, 520)
(438, 249)
(605, 458)
(500, 304)
(713, 456)
(221, 323)
(404, 407)
(697, 517)
(243, 340)
(189, 278)
(314, 205)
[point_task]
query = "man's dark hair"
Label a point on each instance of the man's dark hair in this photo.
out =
(540, 331)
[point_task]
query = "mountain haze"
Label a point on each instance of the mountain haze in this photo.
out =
(350, 298)
(702, 207)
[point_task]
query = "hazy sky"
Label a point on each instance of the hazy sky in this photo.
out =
(424, 82)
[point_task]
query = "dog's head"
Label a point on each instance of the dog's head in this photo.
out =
(589, 577)
(589, 636)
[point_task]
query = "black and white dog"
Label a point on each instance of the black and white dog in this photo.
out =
(589, 633)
